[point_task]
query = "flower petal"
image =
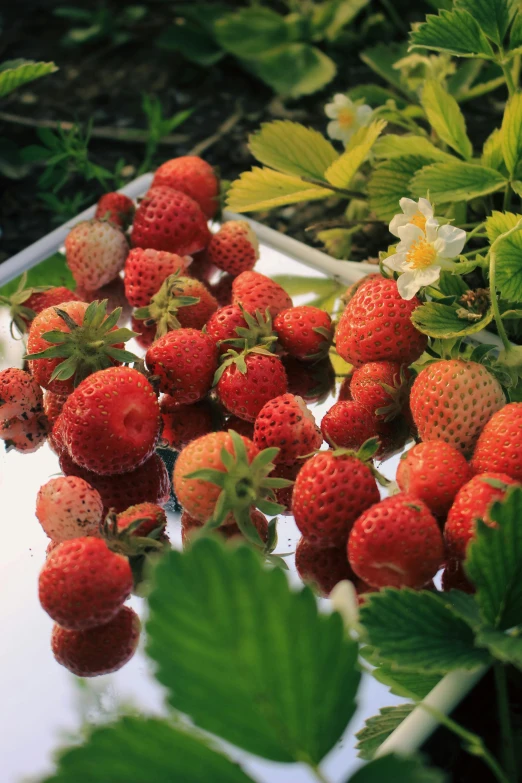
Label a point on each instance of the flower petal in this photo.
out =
(408, 235)
(333, 129)
(342, 101)
(454, 239)
(363, 114)
(331, 111)
(408, 206)
(397, 262)
(407, 285)
(397, 222)
(425, 208)
(431, 229)
(428, 275)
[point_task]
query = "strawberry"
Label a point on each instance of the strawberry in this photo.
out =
(146, 271)
(149, 482)
(434, 472)
(145, 335)
(67, 344)
(169, 220)
(153, 519)
(83, 584)
(396, 543)
(68, 507)
(114, 293)
(100, 650)
(190, 527)
(25, 435)
(184, 423)
(323, 567)
(232, 326)
(452, 400)
(234, 248)
(180, 302)
(95, 252)
(55, 436)
(111, 421)
(288, 471)
(330, 492)
(376, 326)
(454, 577)
(393, 436)
(472, 502)
(246, 381)
(241, 426)
(117, 208)
(52, 405)
(20, 394)
(184, 362)
(354, 287)
(257, 292)
(344, 388)
(287, 423)
(304, 332)
(26, 302)
(381, 388)
(221, 289)
(499, 447)
(314, 382)
(347, 425)
(193, 176)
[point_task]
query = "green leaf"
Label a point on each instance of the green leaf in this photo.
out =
(251, 32)
(493, 16)
(446, 117)
(390, 181)
(194, 43)
(499, 223)
(16, 73)
(515, 36)
(330, 18)
(494, 563)
(51, 272)
(392, 146)
(397, 769)
(504, 230)
(379, 728)
(375, 95)
(342, 171)
(512, 132)
(455, 32)
(135, 750)
(294, 69)
(441, 320)
(266, 189)
(417, 631)
(457, 181)
(452, 285)
(246, 657)
(410, 685)
(502, 646)
(464, 606)
(492, 156)
(293, 149)
(381, 59)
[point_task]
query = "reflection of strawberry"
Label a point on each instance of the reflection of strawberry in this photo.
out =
(324, 567)
(499, 446)
(117, 208)
(286, 423)
(184, 361)
(191, 175)
(314, 382)
(184, 423)
(169, 220)
(304, 332)
(454, 577)
(348, 425)
(288, 471)
(190, 527)
(153, 517)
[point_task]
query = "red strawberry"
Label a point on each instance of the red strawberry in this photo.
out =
(381, 388)
(184, 423)
(286, 423)
(100, 650)
(25, 435)
(396, 543)
(348, 425)
(331, 490)
(145, 335)
(146, 271)
(351, 290)
(452, 400)
(472, 502)
(169, 220)
(304, 332)
(324, 567)
(257, 292)
(149, 482)
(68, 507)
(234, 248)
(193, 176)
(434, 472)
(393, 436)
(499, 447)
(288, 471)
(26, 302)
(116, 208)
(190, 526)
(246, 381)
(83, 584)
(67, 344)
(180, 302)
(114, 293)
(344, 388)
(376, 326)
(454, 577)
(314, 382)
(111, 422)
(95, 252)
(53, 404)
(184, 361)
(238, 328)
(20, 394)
(153, 516)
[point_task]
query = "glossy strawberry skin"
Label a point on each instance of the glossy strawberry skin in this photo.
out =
(244, 394)
(286, 423)
(258, 292)
(452, 400)
(83, 584)
(471, 503)
(367, 388)
(234, 248)
(169, 220)
(396, 543)
(190, 526)
(194, 177)
(434, 472)
(117, 208)
(376, 326)
(184, 423)
(145, 270)
(153, 517)
(68, 507)
(95, 253)
(20, 394)
(185, 361)
(347, 425)
(100, 650)
(499, 447)
(295, 328)
(330, 493)
(313, 381)
(53, 297)
(321, 566)
(53, 405)
(111, 422)
(223, 323)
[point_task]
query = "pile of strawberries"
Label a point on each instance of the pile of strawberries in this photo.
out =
(229, 368)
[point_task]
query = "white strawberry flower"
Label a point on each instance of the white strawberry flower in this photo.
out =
(415, 212)
(344, 600)
(346, 117)
(421, 255)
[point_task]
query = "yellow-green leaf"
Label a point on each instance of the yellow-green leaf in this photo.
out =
(455, 32)
(446, 117)
(492, 156)
(293, 149)
(15, 73)
(498, 223)
(393, 146)
(442, 321)
(266, 189)
(512, 132)
(342, 171)
(390, 181)
(457, 181)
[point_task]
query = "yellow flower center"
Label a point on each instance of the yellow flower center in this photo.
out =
(421, 254)
(419, 220)
(346, 118)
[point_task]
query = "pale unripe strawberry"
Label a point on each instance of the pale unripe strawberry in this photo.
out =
(68, 507)
(95, 251)
(20, 394)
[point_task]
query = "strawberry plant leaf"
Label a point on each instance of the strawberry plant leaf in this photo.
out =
(137, 749)
(397, 769)
(511, 133)
(381, 59)
(389, 181)
(251, 32)
(446, 118)
(410, 685)
(393, 146)
(455, 32)
(417, 631)
(492, 156)
(493, 16)
(16, 73)
(293, 149)
(504, 231)
(457, 181)
(343, 170)
(442, 320)
(502, 646)
(51, 272)
(266, 189)
(379, 727)
(294, 69)
(233, 653)
(494, 563)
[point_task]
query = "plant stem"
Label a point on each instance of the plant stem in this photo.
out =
(477, 228)
(508, 749)
(494, 301)
(508, 75)
(507, 198)
(342, 191)
(317, 772)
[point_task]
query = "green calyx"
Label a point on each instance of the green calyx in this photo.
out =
(87, 347)
(365, 454)
(124, 542)
(398, 394)
(244, 486)
(258, 331)
(164, 306)
(238, 358)
(21, 316)
(324, 346)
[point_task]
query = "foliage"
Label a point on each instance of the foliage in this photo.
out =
(101, 24)
(16, 73)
